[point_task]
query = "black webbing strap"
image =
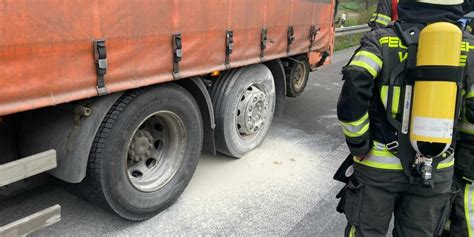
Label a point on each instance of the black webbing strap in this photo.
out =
(410, 39)
(291, 38)
(229, 46)
(404, 150)
(438, 73)
(263, 43)
(177, 54)
(100, 57)
(313, 32)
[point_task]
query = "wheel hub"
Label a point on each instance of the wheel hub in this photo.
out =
(298, 76)
(252, 111)
(155, 151)
(141, 145)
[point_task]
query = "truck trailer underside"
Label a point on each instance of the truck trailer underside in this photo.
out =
(127, 93)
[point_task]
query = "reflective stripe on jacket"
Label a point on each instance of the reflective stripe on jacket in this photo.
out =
(381, 158)
(383, 15)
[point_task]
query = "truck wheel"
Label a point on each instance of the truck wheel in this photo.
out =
(297, 74)
(244, 102)
(145, 152)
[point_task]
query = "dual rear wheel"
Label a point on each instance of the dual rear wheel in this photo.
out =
(244, 101)
(297, 74)
(148, 146)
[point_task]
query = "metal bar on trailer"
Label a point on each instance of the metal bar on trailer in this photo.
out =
(32, 223)
(27, 167)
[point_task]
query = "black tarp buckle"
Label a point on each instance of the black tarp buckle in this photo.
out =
(291, 38)
(177, 54)
(313, 32)
(101, 65)
(263, 43)
(229, 45)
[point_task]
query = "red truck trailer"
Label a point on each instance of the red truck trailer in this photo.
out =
(119, 97)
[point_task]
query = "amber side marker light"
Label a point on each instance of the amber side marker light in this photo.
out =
(215, 73)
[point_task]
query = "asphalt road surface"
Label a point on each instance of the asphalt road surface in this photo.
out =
(283, 188)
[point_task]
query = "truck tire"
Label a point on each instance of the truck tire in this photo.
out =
(244, 103)
(145, 152)
(298, 75)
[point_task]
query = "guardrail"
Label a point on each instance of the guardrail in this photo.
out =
(350, 30)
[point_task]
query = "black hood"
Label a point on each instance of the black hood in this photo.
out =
(410, 11)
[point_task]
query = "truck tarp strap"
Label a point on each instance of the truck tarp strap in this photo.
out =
(291, 38)
(100, 57)
(229, 46)
(313, 32)
(263, 43)
(177, 54)
(438, 73)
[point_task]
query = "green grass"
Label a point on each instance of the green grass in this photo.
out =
(347, 41)
(352, 6)
(358, 15)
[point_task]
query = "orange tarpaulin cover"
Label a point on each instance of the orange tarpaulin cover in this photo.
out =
(46, 47)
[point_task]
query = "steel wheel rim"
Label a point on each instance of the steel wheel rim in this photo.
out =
(252, 112)
(155, 151)
(299, 76)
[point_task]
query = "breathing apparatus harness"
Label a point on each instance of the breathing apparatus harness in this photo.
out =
(396, 133)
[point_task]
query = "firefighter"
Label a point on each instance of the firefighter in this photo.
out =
(468, 8)
(386, 12)
(388, 177)
(461, 220)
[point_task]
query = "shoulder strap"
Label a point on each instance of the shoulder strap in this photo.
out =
(410, 38)
(402, 148)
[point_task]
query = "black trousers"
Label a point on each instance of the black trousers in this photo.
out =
(461, 220)
(377, 195)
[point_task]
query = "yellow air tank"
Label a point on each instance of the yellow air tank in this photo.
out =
(434, 102)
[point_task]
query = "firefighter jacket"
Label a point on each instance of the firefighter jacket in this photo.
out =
(465, 151)
(366, 80)
(383, 15)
